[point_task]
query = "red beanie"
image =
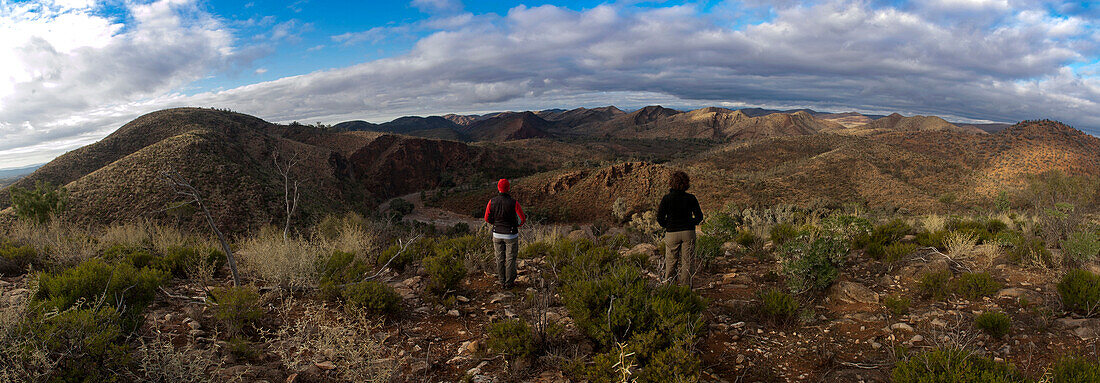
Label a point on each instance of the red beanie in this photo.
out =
(502, 185)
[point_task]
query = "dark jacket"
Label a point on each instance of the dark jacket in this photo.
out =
(504, 213)
(679, 211)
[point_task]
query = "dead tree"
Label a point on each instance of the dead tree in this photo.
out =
(183, 188)
(290, 187)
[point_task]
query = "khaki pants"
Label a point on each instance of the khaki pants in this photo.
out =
(506, 250)
(679, 250)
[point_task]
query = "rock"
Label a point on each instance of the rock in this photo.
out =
(499, 297)
(326, 365)
(405, 292)
(453, 313)
(916, 339)
(1017, 293)
(901, 327)
(196, 333)
(458, 360)
(579, 234)
(909, 238)
(411, 282)
(523, 279)
(462, 299)
(509, 314)
(1086, 329)
(852, 292)
(194, 325)
(643, 248)
(469, 347)
(418, 367)
(553, 317)
(169, 317)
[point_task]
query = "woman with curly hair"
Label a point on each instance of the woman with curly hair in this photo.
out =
(679, 213)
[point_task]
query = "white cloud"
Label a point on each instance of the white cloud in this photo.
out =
(835, 55)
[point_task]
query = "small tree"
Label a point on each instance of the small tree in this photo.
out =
(38, 204)
(183, 188)
(290, 186)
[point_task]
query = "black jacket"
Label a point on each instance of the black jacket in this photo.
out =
(679, 211)
(505, 214)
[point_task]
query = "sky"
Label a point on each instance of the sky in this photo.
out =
(73, 71)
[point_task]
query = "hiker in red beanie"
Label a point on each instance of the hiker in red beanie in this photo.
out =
(504, 213)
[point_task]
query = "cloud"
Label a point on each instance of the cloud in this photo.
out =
(437, 6)
(1013, 63)
(69, 66)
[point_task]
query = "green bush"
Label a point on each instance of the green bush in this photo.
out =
(778, 305)
(1081, 247)
(896, 304)
(175, 261)
(38, 204)
(338, 270)
(934, 285)
(1075, 369)
(849, 227)
(511, 337)
(994, 323)
(782, 233)
(722, 225)
(898, 251)
(812, 264)
(421, 248)
(534, 250)
(237, 307)
(399, 208)
(243, 349)
(984, 230)
(707, 249)
(974, 286)
(445, 272)
(746, 238)
(371, 296)
(885, 234)
(935, 239)
(953, 365)
(615, 241)
(88, 345)
(1080, 291)
(94, 280)
(1029, 250)
(14, 260)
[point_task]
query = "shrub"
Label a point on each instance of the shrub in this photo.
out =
(1030, 251)
(885, 234)
(994, 323)
(511, 337)
(421, 248)
(94, 280)
(937, 239)
(86, 344)
(746, 238)
(812, 264)
(290, 263)
(14, 260)
(237, 307)
(778, 305)
(974, 286)
(399, 208)
(1081, 247)
(849, 227)
(371, 296)
(960, 244)
(934, 285)
(179, 259)
(722, 225)
(1080, 291)
(534, 250)
(896, 304)
(707, 249)
(1075, 369)
(953, 365)
(898, 251)
(339, 269)
(982, 230)
(445, 272)
(782, 233)
(38, 204)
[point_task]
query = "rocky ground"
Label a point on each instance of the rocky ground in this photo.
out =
(846, 336)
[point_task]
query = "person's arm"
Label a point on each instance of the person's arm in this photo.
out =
(696, 212)
(519, 213)
(488, 206)
(662, 213)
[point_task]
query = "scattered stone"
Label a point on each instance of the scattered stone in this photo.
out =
(852, 292)
(326, 365)
(1017, 293)
(643, 248)
(462, 299)
(916, 339)
(194, 324)
(499, 297)
(901, 327)
(453, 313)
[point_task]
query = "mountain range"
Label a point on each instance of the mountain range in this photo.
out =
(563, 161)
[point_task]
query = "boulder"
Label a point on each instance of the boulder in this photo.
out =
(643, 248)
(852, 292)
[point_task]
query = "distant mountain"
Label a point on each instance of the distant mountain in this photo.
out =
(509, 126)
(581, 116)
(18, 172)
(990, 128)
(898, 123)
(356, 126)
(429, 127)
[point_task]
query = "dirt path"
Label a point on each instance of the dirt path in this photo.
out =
(439, 217)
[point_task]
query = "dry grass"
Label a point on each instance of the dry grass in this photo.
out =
(313, 335)
(58, 241)
(130, 234)
(157, 360)
(23, 361)
(290, 263)
(960, 245)
(933, 222)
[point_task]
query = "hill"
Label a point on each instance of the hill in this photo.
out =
(898, 123)
(229, 156)
(509, 126)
